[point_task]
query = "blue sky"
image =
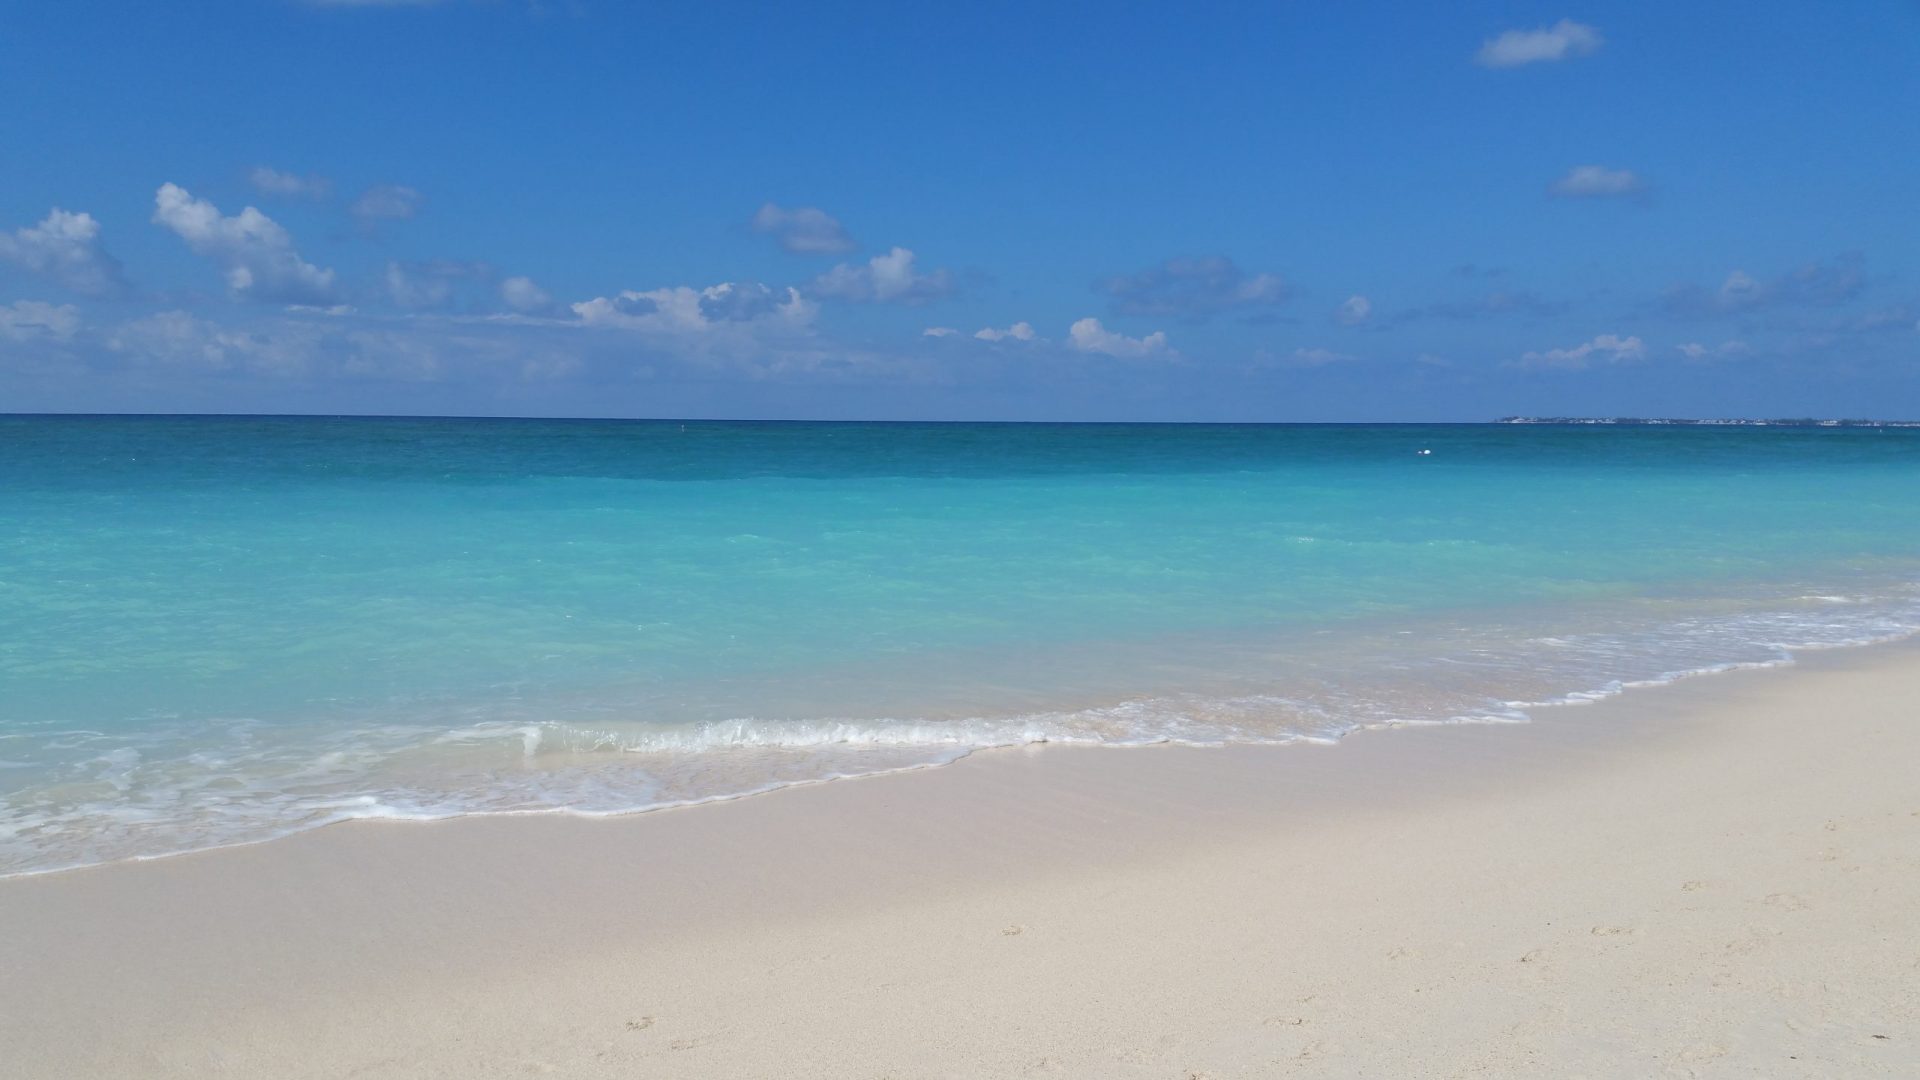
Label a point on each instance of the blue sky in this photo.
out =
(1056, 211)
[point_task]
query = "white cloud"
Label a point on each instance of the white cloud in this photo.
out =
(522, 295)
(268, 181)
(1702, 354)
(1088, 335)
(33, 320)
(260, 260)
(803, 230)
(1607, 348)
(1597, 182)
(1353, 311)
(65, 247)
(887, 278)
(387, 202)
(1557, 42)
(1020, 331)
(939, 331)
(686, 311)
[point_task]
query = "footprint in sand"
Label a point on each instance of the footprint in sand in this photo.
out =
(1013, 931)
(1402, 953)
(1534, 957)
(1786, 902)
(1693, 886)
(1611, 931)
(641, 1024)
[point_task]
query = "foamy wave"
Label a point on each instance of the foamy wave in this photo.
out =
(92, 796)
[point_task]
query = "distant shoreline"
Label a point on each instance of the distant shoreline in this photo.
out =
(1660, 421)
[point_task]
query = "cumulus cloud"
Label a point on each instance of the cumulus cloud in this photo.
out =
(522, 295)
(37, 320)
(1696, 353)
(268, 181)
(1020, 331)
(1607, 348)
(1597, 182)
(887, 278)
(1560, 41)
(1819, 284)
(258, 255)
(1193, 288)
(1353, 311)
(65, 248)
(686, 311)
(803, 230)
(1088, 335)
(387, 202)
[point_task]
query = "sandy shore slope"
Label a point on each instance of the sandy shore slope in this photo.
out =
(1716, 879)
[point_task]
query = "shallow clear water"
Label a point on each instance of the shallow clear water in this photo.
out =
(218, 630)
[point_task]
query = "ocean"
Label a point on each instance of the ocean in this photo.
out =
(218, 630)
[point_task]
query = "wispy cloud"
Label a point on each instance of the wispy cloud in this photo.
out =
(268, 181)
(1607, 348)
(1515, 302)
(1598, 182)
(683, 310)
(35, 320)
(387, 202)
(803, 230)
(1696, 353)
(1560, 41)
(1301, 358)
(257, 254)
(1818, 284)
(1353, 311)
(1020, 331)
(523, 295)
(65, 248)
(1193, 288)
(425, 285)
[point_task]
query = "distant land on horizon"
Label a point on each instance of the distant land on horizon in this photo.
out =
(1805, 421)
(1624, 421)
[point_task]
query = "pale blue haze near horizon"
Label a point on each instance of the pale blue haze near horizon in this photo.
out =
(1191, 212)
(219, 630)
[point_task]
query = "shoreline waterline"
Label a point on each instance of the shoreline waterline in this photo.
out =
(1522, 713)
(1659, 861)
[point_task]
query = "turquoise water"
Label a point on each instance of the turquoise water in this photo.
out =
(215, 630)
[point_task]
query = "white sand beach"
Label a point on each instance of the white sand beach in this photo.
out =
(1719, 878)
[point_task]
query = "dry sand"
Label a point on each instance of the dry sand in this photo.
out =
(1720, 878)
